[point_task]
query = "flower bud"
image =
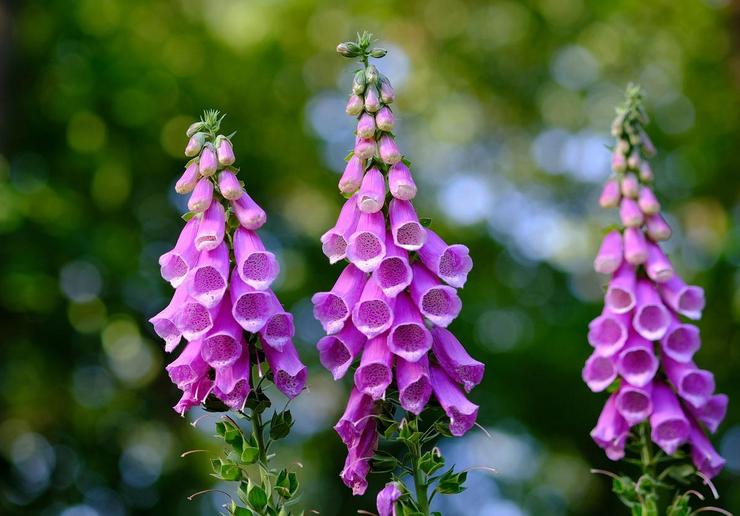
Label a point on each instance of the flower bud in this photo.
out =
(208, 163)
(388, 149)
(354, 105)
(630, 186)
(358, 83)
(195, 144)
(366, 126)
(617, 125)
(646, 173)
(372, 102)
(194, 128)
(633, 161)
(385, 120)
(378, 53)
(202, 196)
(189, 178)
(387, 94)
(348, 49)
(364, 148)
(371, 75)
(225, 151)
(619, 164)
(647, 144)
(622, 147)
(229, 185)
(352, 177)
(610, 195)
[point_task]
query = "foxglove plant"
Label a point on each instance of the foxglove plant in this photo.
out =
(390, 308)
(238, 335)
(643, 344)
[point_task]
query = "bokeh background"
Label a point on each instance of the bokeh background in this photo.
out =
(504, 110)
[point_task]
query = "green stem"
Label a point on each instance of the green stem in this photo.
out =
(420, 483)
(258, 431)
(646, 452)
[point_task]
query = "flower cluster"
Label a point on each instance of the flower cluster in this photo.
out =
(395, 298)
(222, 274)
(643, 347)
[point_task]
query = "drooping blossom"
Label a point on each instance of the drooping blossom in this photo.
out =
(223, 305)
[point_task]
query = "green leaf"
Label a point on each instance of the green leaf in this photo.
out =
(257, 498)
(250, 454)
(241, 511)
(280, 424)
(189, 215)
(384, 462)
(257, 401)
(451, 482)
(431, 461)
(443, 428)
(349, 155)
(230, 471)
(213, 404)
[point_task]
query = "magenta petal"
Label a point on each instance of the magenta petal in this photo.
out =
(394, 272)
(210, 277)
(414, 387)
(635, 246)
(211, 228)
(685, 299)
(407, 232)
(694, 385)
(248, 213)
(165, 322)
(648, 202)
(366, 126)
(351, 179)
(229, 185)
(610, 195)
(236, 397)
(357, 414)
(651, 319)
(225, 152)
(334, 241)
(611, 430)
(705, 457)
(194, 395)
(175, 264)
(338, 351)
(333, 308)
(288, 370)
(201, 197)
(371, 197)
(388, 150)
(657, 228)
(228, 377)
(366, 246)
(224, 343)
(451, 263)
(357, 463)
(208, 163)
(278, 330)
(189, 178)
(385, 119)
(670, 427)
(189, 367)
(629, 213)
(408, 338)
(438, 303)
(712, 412)
(599, 372)
(620, 294)
(610, 253)
(681, 341)
(634, 403)
(250, 307)
(257, 267)
(637, 362)
(374, 374)
(365, 148)
(459, 409)
(455, 360)
(387, 497)
(629, 185)
(658, 267)
(400, 182)
(195, 319)
(608, 332)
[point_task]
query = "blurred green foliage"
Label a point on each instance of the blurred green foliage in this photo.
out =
(96, 96)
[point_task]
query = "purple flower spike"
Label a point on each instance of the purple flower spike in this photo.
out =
(290, 373)
(208, 163)
(685, 299)
(354, 105)
(279, 329)
(357, 414)
(366, 126)
(610, 253)
(647, 201)
(705, 457)
(211, 228)
(366, 246)
(608, 332)
(257, 267)
(189, 178)
(386, 499)
(651, 319)
(373, 313)
(165, 322)
(634, 403)
(400, 182)
(248, 212)
(712, 412)
(658, 267)
(357, 463)
(599, 372)
(407, 232)
(630, 186)
(250, 307)
(338, 351)
(334, 241)
(351, 179)
(670, 427)
(694, 385)
(225, 152)
(224, 343)
(637, 362)
(388, 150)
(455, 361)
(611, 430)
(414, 387)
(333, 308)
(459, 409)
(176, 264)
(620, 294)
(409, 338)
(657, 228)
(201, 197)
(229, 185)
(210, 277)
(629, 213)
(371, 196)
(188, 367)
(451, 263)
(394, 272)
(228, 377)
(438, 303)
(681, 341)
(635, 246)
(365, 148)
(374, 374)
(610, 195)
(385, 120)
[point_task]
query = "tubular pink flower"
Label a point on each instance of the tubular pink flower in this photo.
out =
(599, 372)
(188, 367)
(414, 387)
(372, 102)
(408, 338)
(393, 274)
(681, 341)
(620, 293)
(611, 430)
(351, 178)
(211, 228)
(357, 414)
(289, 372)
(438, 303)
(250, 307)
(648, 202)
(658, 267)
(400, 182)
(459, 409)
(366, 246)
(371, 196)
(357, 463)
(201, 197)
(194, 395)
(229, 185)
(366, 126)
(634, 403)
(256, 266)
(195, 319)
(630, 186)
(651, 319)
(334, 242)
(374, 374)
(712, 412)
(225, 152)
(210, 277)
(455, 360)
(248, 212)
(333, 308)
(629, 213)
(189, 178)
(685, 299)
(224, 343)
(387, 95)
(388, 150)
(385, 120)
(229, 376)
(637, 362)
(386, 500)
(176, 264)
(365, 148)
(608, 332)
(705, 457)
(237, 397)
(694, 385)
(279, 329)
(407, 232)
(195, 144)
(165, 322)
(670, 427)
(354, 105)
(373, 313)
(338, 351)
(610, 195)
(657, 228)
(610, 253)
(451, 263)
(208, 163)
(635, 246)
